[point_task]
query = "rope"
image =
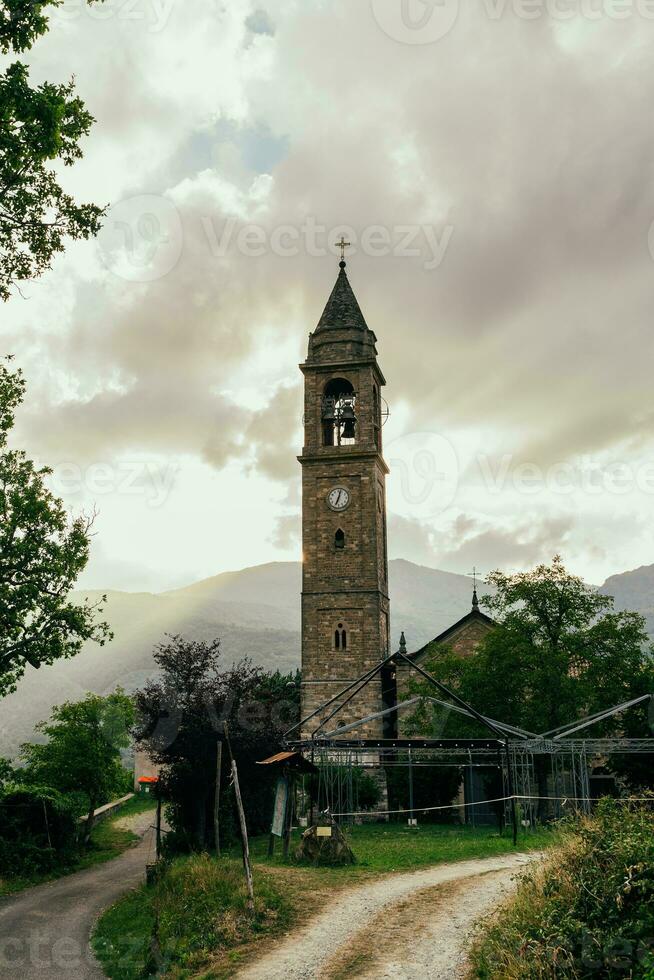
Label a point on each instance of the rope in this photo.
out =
(499, 799)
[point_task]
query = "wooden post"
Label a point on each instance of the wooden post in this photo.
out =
(216, 799)
(158, 829)
(243, 826)
(288, 821)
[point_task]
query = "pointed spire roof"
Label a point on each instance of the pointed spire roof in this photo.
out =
(342, 309)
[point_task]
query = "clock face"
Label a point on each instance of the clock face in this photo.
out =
(338, 498)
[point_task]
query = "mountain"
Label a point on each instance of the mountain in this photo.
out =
(256, 613)
(635, 591)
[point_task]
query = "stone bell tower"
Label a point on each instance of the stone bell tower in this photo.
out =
(345, 607)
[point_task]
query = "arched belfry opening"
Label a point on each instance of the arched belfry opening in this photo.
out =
(340, 637)
(339, 539)
(338, 413)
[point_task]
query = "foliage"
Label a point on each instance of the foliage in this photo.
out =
(199, 905)
(38, 126)
(38, 830)
(180, 723)
(589, 912)
(82, 754)
(558, 652)
(108, 840)
(41, 555)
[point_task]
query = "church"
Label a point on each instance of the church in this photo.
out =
(345, 596)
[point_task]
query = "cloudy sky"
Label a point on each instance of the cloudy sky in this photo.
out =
(492, 164)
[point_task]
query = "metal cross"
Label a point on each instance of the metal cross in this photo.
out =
(342, 245)
(474, 576)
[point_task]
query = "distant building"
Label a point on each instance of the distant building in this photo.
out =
(144, 768)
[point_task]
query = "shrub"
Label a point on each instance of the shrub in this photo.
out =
(588, 912)
(38, 830)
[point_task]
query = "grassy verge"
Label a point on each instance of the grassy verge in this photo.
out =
(588, 912)
(196, 912)
(107, 841)
(200, 901)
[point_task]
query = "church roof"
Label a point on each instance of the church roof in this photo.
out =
(342, 309)
(475, 615)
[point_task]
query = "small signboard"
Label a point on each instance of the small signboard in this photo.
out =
(323, 831)
(279, 811)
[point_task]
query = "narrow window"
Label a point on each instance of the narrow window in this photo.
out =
(339, 540)
(337, 639)
(343, 640)
(340, 637)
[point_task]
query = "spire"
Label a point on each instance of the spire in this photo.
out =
(475, 600)
(403, 643)
(342, 309)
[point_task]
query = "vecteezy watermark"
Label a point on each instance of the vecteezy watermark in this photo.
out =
(415, 241)
(424, 474)
(152, 14)
(416, 21)
(585, 475)
(135, 477)
(424, 477)
(141, 238)
(427, 21)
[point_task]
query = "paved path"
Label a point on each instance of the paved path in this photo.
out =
(45, 931)
(412, 926)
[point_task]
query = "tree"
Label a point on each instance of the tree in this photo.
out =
(42, 553)
(38, 126)
(82, 754)
(558, 652)
(180, 722)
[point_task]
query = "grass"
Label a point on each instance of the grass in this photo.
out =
(197, 911)
(200, 901)
(587, 912)
(107, 841)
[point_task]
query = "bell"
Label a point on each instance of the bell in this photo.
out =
(348, 428)
(329, 409)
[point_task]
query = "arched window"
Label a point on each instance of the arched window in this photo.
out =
(339, 540)
(340, 637)
(339, 421)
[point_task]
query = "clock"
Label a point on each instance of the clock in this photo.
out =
(338, 498)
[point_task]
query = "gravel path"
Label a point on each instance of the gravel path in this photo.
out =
(45, 931)
(411, 926)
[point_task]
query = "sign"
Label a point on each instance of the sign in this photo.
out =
(279, 810)
(323, 831)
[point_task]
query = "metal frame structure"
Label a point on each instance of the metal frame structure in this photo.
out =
(507, 748)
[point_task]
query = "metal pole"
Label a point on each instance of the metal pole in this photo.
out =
(514, 815)
(411, 814)
(216, 799)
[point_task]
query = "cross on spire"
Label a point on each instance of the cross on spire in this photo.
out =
(342, 245)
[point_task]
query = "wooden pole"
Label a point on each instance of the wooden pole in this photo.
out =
(158, 829)
(242, 824)
(216, 799)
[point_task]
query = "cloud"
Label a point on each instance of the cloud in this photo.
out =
(540, 194)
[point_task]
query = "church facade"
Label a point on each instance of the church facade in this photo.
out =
(345, 600)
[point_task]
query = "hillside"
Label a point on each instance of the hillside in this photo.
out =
(256, 613)
(634, 590)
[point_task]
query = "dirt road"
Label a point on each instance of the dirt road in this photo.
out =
(44, 931)
(412, 926)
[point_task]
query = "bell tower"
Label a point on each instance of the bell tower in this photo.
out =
(345, 605)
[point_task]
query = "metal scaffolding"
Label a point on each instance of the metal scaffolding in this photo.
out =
(564, 782)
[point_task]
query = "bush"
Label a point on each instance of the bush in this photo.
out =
(38, 830)
(589, 912)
